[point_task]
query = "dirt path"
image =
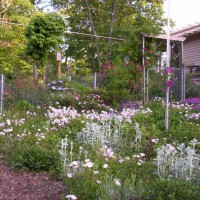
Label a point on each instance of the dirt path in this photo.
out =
(28, 186)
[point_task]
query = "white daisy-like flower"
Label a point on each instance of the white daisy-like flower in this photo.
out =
(105, 166)
(117, 182)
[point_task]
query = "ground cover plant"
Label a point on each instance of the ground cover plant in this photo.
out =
(108, 154)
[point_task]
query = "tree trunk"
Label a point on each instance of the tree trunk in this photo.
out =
(94, 32)
(112, 18)
(35, 70)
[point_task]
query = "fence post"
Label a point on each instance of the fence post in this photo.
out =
(144, 73)
(95, 80)
(2, 93)
(147, 90)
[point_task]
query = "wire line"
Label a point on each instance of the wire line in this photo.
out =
(70, 32)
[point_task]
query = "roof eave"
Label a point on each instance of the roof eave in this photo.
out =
(164, 37)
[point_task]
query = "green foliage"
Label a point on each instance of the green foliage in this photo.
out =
(171, 190)
(13, 42)
(24, 105)
(44, 33)
(127, 23)
(36, 159)
(121, 84)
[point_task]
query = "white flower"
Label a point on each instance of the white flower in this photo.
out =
(8, 122)
(105, 166)
(2, 133)
(75, 163)
(90, 164)
(71, 196)
(155, 140)
(99, 182)
(117, 182)
(69, 175)
(8, 130)
(141, 161)
(95, 172)
(171, 148)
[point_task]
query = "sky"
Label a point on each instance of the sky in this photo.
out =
(183, 12)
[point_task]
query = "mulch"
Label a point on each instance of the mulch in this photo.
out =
(17, 185)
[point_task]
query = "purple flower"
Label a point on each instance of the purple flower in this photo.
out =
(193, 101)
(169, 83)
(168, 70)
(53, 82)
(164, 90)
(196, 107)
(60, 88)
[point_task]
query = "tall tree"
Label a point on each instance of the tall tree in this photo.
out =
(44, 34)
(16, 14)
(94, 32)
(111, 18)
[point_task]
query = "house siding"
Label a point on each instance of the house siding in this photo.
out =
(191, 50)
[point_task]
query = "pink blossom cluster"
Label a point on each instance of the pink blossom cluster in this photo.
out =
(61, 116)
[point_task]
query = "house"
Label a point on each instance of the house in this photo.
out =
(191, 46)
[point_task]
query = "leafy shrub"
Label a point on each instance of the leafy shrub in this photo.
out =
(163, 189)
(122, 83)
(24, 105)
(36, 158)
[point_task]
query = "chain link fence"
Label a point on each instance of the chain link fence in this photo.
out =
(94, 81)
(28, 91)
(184, 85)
(12, 92)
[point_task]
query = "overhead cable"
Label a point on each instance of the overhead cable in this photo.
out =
(70, 32)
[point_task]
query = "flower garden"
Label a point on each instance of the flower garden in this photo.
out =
(106, 153)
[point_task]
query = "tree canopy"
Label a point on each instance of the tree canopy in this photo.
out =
(123, 19)
(44, 34)
(15, 16)
(98, 33)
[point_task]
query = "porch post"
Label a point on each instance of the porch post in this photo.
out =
(182, 75)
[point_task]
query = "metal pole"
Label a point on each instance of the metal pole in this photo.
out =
(2, 93)
(168, 65)
(148, 85)
(143, 48)
(95, 80)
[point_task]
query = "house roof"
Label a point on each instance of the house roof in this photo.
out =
(164, 37)
(187, 31)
